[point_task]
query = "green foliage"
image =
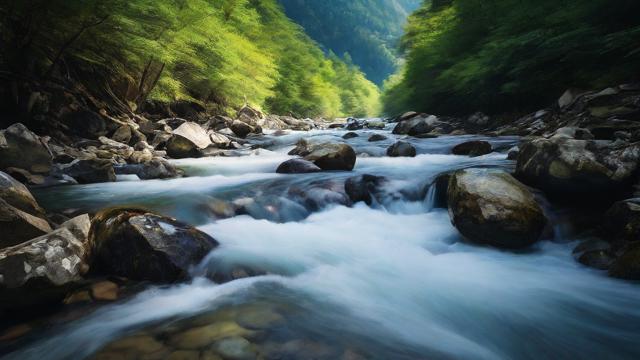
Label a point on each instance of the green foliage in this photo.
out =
(366, 30)
(222, 52)
(512, 55)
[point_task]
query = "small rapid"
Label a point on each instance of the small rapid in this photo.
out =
(389, 281)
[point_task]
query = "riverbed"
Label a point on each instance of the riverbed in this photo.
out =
(390, 280)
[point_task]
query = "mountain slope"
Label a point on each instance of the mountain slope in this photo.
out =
(368, 30)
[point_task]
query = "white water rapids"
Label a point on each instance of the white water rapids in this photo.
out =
(395, 279)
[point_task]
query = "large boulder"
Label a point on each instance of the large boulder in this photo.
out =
(188, 140)
(417, 125)
(565, 167)
(622, 222)
(44, 269)
(401, 149)
(241, 129)
(89, 171)
(18, 196)
(332, 156)
(17, 226)
(491, 207)
(364, 188)
(143, 246)
(297, 166)
(472, 148)
(627, 265)
(21, 148)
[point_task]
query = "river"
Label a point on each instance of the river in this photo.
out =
(389, 281)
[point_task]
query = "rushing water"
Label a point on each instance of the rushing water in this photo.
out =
(391, 281)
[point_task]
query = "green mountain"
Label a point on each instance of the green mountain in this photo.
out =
(512, 55)
(367, 30)
(220, 53)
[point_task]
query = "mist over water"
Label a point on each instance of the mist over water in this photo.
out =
(394, 280)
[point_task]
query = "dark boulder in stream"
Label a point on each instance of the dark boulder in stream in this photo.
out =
(401, 149)
(491, 207)
(569, 168)
(142, 246)
(472, 148)
(328, 156)
(364, 188)
(297, 166)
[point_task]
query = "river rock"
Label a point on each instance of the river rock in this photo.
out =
(622, 221)
(18, 196)
(235, 348)
(122, 134)
(142, 246)
(374, 124)
(297, 166)
(187, 141)
(17, 226)
(472, 148)
(491, 207)
(376, 137)
(332, 156)
(350, 135)
(401, 149)
(241, 129)
(89, 171)
(627, 265)
(45, 268)
(21, 148)
(361, 188)
(569, 168)
(594, 253)
(417, 125)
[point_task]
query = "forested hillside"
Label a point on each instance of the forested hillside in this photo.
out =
(512, 55)
(221, 53)
(368, 30)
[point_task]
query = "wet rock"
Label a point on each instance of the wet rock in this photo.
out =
(627, 265)
(594, 253)
(86, 123)
(17, 226)
(297, 166)
(376, 137)
(122, 134)
(406, 116)
(361, 188)
(21, 148)
(219, 140)
(372, 124)
(513, 153)
(89, 171)
(572, 169)
(491, 207)
(235, 348)
(472, 148)
(138, 347)
(332, 156)
(318, 196)
(105, 291)
(573, 133)
(200, 337)
(17, 195)
(187, 141)
(45, 268)
(143, 246)
(354, 124)
(26, 177)
(417, 125)
(241, 129)
(350, 135)
(622, 222)
(401, 149)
